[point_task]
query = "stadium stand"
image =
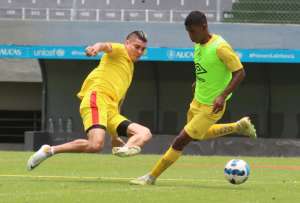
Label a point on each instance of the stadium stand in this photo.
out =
(111, 10)
(264, 11)
(246, 11)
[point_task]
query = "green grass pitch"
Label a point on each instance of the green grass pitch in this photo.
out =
(72, 178)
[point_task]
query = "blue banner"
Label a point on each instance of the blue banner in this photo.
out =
(152, 54)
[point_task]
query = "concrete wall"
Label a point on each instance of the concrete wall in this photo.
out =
(160, 34)
(18, 70)
(20, 96)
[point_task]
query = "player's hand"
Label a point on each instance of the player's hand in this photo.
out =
(91, 51)
(218, 104)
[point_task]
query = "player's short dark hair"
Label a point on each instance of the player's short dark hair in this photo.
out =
(139, 34)
(195, 18)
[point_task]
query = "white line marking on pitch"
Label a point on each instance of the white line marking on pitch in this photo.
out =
(127, 178)
(98, 178)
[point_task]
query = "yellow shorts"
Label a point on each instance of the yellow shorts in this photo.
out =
(100, 110)
(200, 118)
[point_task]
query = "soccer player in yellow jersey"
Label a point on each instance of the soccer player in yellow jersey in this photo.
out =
(218, 73)
(101, 95)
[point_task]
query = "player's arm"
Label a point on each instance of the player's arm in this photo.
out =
(237, 78)
(233, 63)
(120, 104)
(93, 50)
(193, 87)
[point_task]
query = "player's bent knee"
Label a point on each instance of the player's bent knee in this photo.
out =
(143, 133)
(147, 135)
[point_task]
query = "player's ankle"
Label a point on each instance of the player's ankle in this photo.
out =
(52, 151)
(152, 176)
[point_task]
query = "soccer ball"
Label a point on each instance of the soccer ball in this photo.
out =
(236, 171)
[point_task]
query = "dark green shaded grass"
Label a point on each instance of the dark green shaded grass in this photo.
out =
(95, 178)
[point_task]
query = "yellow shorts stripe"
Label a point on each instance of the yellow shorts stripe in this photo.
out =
(99, 109)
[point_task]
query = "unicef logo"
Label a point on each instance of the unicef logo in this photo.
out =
(60, 52)
(171, 54)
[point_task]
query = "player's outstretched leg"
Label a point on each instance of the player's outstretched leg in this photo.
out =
(245, 127)
(144, 180)
(38, 157)
(242, 127)
(165, 161)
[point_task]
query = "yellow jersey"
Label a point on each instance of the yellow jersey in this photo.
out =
(112, 76)
(227, 55)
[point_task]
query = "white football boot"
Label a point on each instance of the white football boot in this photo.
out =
(245, 127)
(144, 180)
(126, 151)
(43, 153)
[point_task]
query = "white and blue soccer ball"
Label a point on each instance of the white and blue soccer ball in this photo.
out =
(236, 171)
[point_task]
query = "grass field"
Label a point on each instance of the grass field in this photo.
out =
(71, 178)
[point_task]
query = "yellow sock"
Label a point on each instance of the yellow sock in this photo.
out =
(167, 160)
(218, 130)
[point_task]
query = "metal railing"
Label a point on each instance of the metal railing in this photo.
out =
(253, 11)
(82, 10)
(264, 11)
(98, 15)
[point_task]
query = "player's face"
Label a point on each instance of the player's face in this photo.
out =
(135, 48)
(197, 32)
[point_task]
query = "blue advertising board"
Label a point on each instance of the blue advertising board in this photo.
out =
(152, 54)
